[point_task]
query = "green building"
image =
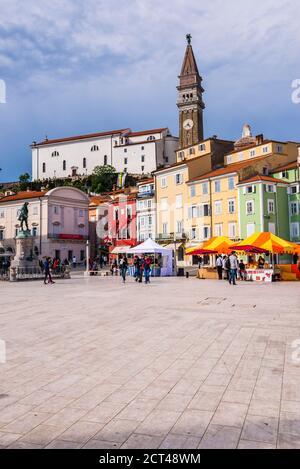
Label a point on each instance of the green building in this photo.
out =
(263, 203)
(291, 174)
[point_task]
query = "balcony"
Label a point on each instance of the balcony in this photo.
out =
(69, 237)
(172, 236)
(146, 194)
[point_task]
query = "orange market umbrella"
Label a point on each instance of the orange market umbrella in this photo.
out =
(269, 242)
(220, 244)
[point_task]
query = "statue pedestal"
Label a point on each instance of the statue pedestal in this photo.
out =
(25, 257)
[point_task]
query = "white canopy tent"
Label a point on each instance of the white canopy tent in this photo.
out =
(151, 247)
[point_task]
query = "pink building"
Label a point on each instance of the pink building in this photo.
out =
(122, 223)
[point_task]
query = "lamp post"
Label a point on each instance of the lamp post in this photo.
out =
(87, 255)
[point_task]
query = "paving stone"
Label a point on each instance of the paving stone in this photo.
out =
(260, 429)
(219, 437)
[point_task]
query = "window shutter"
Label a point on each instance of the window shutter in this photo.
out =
(209, 210)
(254, 189)
(244, 190)
(190, 212)
(201, 210)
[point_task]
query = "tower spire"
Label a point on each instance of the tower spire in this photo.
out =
(190, 102)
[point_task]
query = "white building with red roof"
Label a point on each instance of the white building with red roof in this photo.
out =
(130, 152)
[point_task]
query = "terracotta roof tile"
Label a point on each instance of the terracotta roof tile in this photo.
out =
(293, 165)
(261, 177)
(23, 196)
(80, 137)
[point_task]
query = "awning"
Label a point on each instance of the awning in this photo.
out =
(120, 250)
(220, 244)
(269, 242)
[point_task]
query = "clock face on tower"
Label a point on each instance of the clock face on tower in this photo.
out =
(188, 124)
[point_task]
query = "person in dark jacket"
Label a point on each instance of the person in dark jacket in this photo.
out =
(47, 271)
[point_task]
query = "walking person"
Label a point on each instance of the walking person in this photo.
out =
(47, 271)
(74, 261)
(142, 266)
(147, 269)
(233, 263)
(219, 265)
(225, 267)
(123, 267)
(137, 268)
(242, 267)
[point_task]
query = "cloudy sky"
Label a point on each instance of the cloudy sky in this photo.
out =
(74, 66)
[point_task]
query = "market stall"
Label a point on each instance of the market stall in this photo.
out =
(163, 257)
(269, 245)
(214, 246)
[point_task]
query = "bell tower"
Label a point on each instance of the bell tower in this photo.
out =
(189, 100)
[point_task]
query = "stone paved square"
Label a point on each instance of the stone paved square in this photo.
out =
(181, 363)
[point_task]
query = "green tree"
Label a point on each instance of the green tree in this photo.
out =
(103, 179)
(24, 181)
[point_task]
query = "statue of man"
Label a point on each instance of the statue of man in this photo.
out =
(189, 39)
(23, 216)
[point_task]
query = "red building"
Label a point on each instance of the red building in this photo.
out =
(122, 223)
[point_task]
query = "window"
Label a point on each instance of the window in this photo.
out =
(250, 229)
(217, 186)
(151, 138)
(35, 210)
(271, 206)
(105, 160)
(2, 213)
(163, 182)
(252, 153)
(56, 210)
(265, 149)
(55, 153)
(206, 232)
(191, 151)
(116, 214)
(270, 188)
(294, 190)
(150, 220)
(231, 206)
(295, 233)
(164, 203)
(142, 221)
(193, 212)
(218, 229)
(16, 231)
(81, 213)
(125, 150)
(202, 147)
(178, 179)
(1, 235)
(205, 188)
(44, 167)
(165, 228)
(181, 156)
(218, 207)
(206, 210)
(294, 208)
(241, 156)
(250, 207)
(84, 162)
(193, 233)
(64, 165)
(272, 228)
(179, 227)
(229, 159)
(143, 168)
(279, 149)
(125, 160)
(34, 231)
(266, 171)
(143, 148)
(193, 191)
(125, 170)
(250, 190)
(232, 230)
(95, 148)
(143, 158)
(149, 203)
(179, 201)
(231, 183)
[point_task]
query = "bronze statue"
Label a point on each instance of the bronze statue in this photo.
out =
(189, 39)
(23, 216)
